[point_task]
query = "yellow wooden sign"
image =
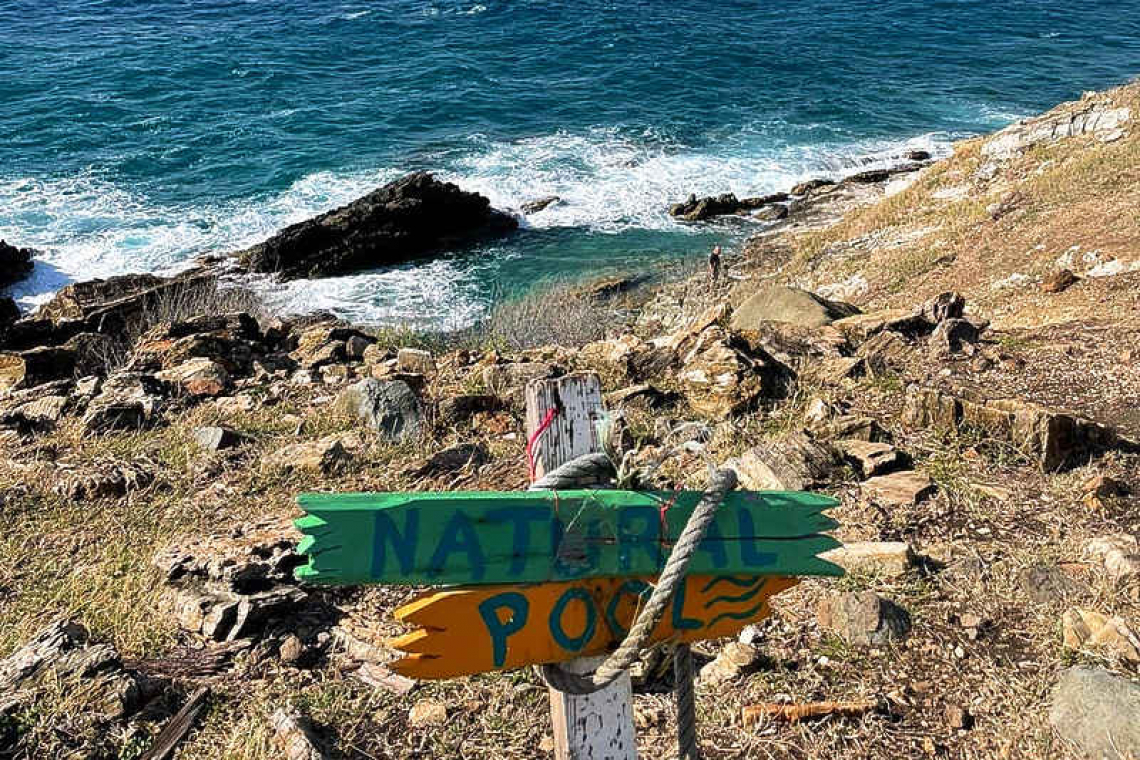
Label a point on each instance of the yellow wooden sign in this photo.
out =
(470, 630)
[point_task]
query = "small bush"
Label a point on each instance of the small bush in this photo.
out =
(559, 314)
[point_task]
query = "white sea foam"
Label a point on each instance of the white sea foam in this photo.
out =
(608, 182)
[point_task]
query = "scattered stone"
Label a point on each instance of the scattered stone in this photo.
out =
(427, 712)
(888, 559)
(735, 659)
(1120, 555)
(859, 327)
(1088, 630)
(336, 374)
(779, 303)
(103, 479)
(863, 618)
(850, 426)
(953, 335)
(870, 459)
(947, 305)
(217, 438)
(1059, 281)
(62, 656)
(899, 489)
(388, 407)
(404, 219)
(1058, 439)
(291, 650)
(1047, 584)
(792, 463)
(1097, 712)
(41, 414)
(451, 460)
(804, 188)
(198, 377)
(378, 676)
(1099, 488)
(958, 717)
(415, 360)
(325, 456)
(295, 736)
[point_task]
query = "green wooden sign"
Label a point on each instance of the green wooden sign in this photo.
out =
(545, 536)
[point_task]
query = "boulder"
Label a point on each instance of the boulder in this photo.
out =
(946, 305)
(15, 263)
(863, 618)
(792, 343)
(722, 377)
(1098, 713)
(859, 327)
(899, 489)
(403, 220)
(791, 463)
(389, 407)
(779, 303)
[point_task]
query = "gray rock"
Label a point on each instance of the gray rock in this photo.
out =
(387, 406)
(779, 303)
(952, 335)
(791, 463)
(863, 618)
(1046, 584)
(1098, 713)
(217, 438)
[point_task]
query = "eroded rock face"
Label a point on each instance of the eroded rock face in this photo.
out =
(1058, 439)
(398, 222)
(1097, 118)
(722, 376)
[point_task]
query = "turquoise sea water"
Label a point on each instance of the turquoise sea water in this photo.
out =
(137, 134)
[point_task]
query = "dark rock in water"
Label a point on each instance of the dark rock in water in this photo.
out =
(804, 188)
(9, 312)
(404, 219)
(15, 263)
(917, 155)
(696, 209)
(773, 213)
(533, 207)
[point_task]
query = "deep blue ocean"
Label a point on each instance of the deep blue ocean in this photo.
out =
(138, 134)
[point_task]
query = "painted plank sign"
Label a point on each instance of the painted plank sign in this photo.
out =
(552, 536)
(512, 626)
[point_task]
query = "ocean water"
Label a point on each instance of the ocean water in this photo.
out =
(138, 134)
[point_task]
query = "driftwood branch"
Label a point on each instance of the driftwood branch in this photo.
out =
(177, 727)
(794, 713)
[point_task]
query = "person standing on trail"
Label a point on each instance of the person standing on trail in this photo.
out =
(714, 264)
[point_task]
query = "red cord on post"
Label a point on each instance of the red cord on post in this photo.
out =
(542, 426)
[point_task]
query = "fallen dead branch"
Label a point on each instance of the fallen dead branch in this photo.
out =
(795, 713)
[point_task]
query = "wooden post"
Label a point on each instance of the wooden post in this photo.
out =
(596, 726)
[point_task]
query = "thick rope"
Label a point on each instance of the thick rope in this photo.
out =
(671, 577)
(586, 470)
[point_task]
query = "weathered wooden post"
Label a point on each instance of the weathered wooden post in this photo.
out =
(598, 725)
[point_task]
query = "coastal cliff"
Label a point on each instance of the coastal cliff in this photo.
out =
(953, 352)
